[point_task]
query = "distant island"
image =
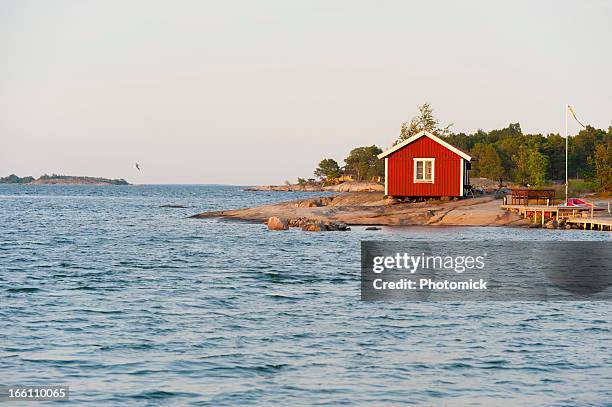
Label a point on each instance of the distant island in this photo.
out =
(55, 179)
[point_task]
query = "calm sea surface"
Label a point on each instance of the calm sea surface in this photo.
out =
(133, 304)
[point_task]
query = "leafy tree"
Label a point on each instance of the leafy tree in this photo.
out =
(425, 120)
(461, 141)
(601, 160)
(554, 148)
(521, 167)
(488, 163)
(363, 163)
(581, 147)
(328, 168)
(301, 181)
(537, 164)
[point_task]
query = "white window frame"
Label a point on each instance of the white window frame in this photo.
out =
(433, 171)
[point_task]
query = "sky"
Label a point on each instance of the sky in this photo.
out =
(258, 92)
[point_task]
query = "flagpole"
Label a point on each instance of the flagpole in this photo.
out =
(566, 180)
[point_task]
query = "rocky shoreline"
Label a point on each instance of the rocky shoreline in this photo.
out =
(342, 187)
(371, 209)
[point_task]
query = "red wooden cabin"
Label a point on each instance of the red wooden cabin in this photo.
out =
(425, 166)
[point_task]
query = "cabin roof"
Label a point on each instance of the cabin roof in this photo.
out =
(431, 136)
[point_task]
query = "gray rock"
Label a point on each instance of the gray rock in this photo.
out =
(341, 226)
(372, 228)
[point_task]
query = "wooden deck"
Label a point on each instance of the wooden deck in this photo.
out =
(587, 218)
(596, 223)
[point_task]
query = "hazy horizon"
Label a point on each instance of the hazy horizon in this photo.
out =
(259, 92)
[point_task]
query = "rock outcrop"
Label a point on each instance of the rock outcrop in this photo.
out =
(319, 187)
(370, 209)
(275, 223)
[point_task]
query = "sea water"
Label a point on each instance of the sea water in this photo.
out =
(130, 303)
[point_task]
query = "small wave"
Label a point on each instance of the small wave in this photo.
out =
(84, 288)
(258, 369)
(95, 311)
(141, 346)
(161, 395)
(23, 290)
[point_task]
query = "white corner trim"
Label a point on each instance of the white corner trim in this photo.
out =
(386, 176)
(433, 171)
(462, 166)
(418, 136)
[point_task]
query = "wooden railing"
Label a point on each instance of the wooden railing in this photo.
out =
(524, 196)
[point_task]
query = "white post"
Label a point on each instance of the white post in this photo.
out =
(386, 176)
(462, 176)
(566, 180)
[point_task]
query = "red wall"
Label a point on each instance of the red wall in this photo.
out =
(447, 170)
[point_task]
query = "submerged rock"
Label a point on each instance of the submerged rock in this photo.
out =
(339, 226)
(319, 226)
(372, 228)
(313, 226)
(275, 223)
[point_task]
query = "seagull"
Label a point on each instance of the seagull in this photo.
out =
(137, 166)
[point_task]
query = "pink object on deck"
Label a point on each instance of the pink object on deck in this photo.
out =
(577, 202)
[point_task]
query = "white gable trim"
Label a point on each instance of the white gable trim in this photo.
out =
(418, 136)
(386, 176)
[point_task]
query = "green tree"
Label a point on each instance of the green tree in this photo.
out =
(581, 147)
(328, 168)
(520, 164)
(488, 163)
(601, 161)
(554, 148)
(425, 120)
(363, 163)
(537, 164)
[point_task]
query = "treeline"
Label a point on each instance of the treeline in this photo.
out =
(68, 179)
(507, 154)
(538, 159)
(14, 179)
(362, 164)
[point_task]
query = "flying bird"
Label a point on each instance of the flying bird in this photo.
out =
(137, 166)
